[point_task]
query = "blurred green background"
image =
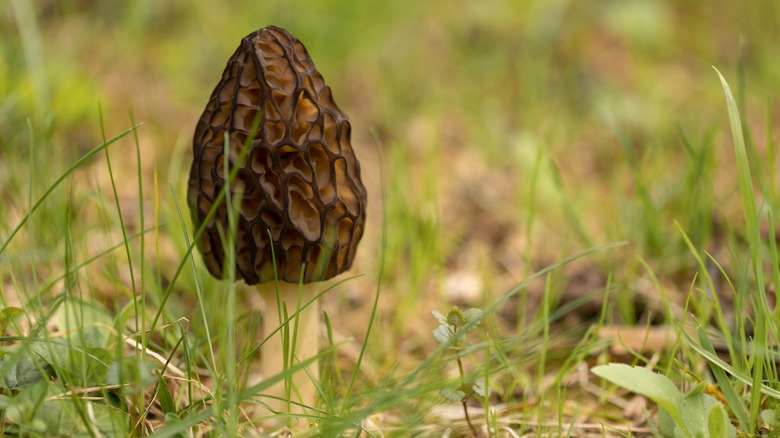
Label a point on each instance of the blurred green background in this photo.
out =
(513, 132)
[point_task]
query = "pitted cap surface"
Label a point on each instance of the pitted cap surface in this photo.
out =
(299, 180)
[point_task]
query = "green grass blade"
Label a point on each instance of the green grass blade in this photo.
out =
(754, 239)
(31, 234)
(720, 363)
(141, 221)
(134, 290)
(704, 272)
(198, 288)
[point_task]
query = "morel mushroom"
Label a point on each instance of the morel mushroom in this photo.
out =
(301, 204)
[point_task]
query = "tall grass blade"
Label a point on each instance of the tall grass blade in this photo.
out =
(198, 288)
(141, 221)
(728, 368)
(705, 273)
(133, 290)
(754, 238)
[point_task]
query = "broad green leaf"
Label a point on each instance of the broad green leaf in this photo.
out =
(23, 415)
(36, 410)
(60, 418)
(704, 416)
(89, 365)
(22, 409)
(23, 365)
(53, 351)
(56, 418)
(90, 336)
(644, 382)
(691, 415)
(718, 424)
(695, 411)
(667, 425)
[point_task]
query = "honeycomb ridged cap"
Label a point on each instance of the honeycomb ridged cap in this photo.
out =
(298, 182)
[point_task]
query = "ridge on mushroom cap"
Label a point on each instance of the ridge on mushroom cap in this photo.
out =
(298, 185)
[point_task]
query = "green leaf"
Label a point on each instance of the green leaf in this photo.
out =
(87, 317)
(7, 315)
(456, 318)
(55, 418)
(23, 408)
(442, 334)
(452, 394)
(698, 388)
(718, 424)
(22, 415)
(89, 365)
(770, 417)
(642, 381)
(733, 399)
(666, 425)
(704, 416)
(172, 418)
(90, 336)
(689, 416)
(439, 317)
(695, 411)
(479, 388)
(131, 370)
(35, 411)
(164, 396)
(473, 315)
(60, 419)
(23, 365)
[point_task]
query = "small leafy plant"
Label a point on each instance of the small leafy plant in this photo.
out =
(42, 378)
(695, 414)
(451, 330)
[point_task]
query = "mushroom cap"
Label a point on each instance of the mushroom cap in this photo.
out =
(298, 182)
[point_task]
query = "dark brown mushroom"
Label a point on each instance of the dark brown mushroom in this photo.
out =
(301, 199)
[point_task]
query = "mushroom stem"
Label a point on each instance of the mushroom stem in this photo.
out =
(297, 341)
